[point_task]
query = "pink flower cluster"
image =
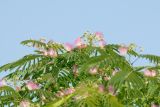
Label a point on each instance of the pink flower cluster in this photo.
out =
(32, 86)
(123, 50)
(150, 73)
(2, 82)
(111, 90)
(68, 46)
(100, 38)
(155, 105)
(69, 91)
(80, 44)
(77, 43)
(51, 52)
(101, 88)
(24, 103)
(65, 92)
(93, 70)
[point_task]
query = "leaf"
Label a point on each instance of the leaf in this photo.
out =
(59, 102)
(34, 43)
(132, 78)
(151, 58)
(8, 96)
(20, 63)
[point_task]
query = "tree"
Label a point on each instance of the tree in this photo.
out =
(89, 74)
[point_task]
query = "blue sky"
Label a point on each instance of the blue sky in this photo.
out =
(122, 21)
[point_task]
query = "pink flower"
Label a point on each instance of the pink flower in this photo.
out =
(154, 105)
(69, 91)
(153, 73)
(102, 44)
(2, 82)
(68, 46)
(99, 36)
(93, 70)
(52, 53)
(147, 72)
(65, 92)
(101, 88)
(111, 90)
(78, 42)
(82, 46)
(123, 50)
(150, 73)
(25, 103)
(32, 86)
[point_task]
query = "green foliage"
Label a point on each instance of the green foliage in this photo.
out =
(9, 96)
(89, 75)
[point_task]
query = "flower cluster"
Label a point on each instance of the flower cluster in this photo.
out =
(150, 73)
(123, 50)
(79, 43)
(155, 105)
(51, 52)
(111, 90)
(65, 92)
(2, 82)
(84, 70)
(32, 86)
(68, 46)
(99, 36)
(101, 88)
(24, 103)
(93, 70)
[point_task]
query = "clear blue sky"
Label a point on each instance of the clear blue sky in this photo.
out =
(122, 21)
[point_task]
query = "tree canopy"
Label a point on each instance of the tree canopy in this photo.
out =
(88, 73)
